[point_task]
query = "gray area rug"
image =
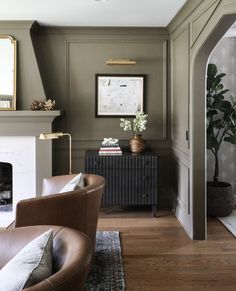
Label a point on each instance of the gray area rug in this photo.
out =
(107, 272)
(230, 222)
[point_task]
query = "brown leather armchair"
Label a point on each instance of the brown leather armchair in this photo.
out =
(72, 255)
(77, 209)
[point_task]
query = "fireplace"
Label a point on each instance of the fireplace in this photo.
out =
(5, 186)
(24, 159)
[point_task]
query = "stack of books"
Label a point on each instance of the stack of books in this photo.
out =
(110, 147)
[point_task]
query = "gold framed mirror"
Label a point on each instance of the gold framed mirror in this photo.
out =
(7, 73)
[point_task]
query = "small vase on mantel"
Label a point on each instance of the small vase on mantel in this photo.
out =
(137, 144)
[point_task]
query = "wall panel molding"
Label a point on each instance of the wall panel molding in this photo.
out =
(180, 31)
(183, 207)
(97, 41)
(183, 15)
(201, 19)
(165, 86)
(181, 156)
(156, 32)
(70, 58)
(177, 41)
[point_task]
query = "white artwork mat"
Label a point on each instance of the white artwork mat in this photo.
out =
(119, 95)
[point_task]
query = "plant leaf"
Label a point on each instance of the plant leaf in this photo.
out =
(225, 106)
(222, 75)
(216, 82)
(217, 123)
(211, 71)
(231, 139)
(211, 113)
(222, 92)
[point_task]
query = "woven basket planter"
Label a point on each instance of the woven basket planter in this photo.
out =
(220, 200)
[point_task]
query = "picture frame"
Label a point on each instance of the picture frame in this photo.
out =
(7, 73)
(119, 95)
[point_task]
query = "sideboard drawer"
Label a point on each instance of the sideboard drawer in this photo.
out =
(121, 162)
(130, 179)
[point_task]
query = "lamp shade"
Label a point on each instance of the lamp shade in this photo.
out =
(52, 135)
(56, 135)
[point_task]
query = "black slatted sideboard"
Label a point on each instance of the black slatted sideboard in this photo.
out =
(131, 179)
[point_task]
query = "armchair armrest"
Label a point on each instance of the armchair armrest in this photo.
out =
(65, 209)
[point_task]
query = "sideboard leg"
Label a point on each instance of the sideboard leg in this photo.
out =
(154, 210)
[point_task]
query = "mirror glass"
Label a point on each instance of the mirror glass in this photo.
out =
(7, 73)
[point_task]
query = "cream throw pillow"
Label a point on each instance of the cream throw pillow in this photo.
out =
(77, 181)
(30, 266)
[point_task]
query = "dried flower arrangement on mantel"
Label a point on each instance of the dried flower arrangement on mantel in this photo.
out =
(43, 105)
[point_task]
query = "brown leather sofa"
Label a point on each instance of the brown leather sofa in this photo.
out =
(72, 255)
(77, 209)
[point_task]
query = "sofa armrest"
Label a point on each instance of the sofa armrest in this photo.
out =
(53, 209)
(13, 240)
(72, 255)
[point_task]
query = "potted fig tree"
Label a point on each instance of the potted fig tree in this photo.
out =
(221, 127)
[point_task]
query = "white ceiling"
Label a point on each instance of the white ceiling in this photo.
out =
(144, 13)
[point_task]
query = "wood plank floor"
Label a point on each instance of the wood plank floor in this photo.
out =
(158, 255)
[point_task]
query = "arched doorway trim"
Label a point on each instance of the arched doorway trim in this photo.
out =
(211, 35)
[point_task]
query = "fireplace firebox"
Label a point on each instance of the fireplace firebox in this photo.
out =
(5, 186)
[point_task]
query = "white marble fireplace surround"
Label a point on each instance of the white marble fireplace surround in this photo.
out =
(30, 157)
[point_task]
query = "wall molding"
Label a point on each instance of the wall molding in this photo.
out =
(210, 8)
(165, 86)
(185, 220)
(183, 208)
(181, 156)
(105, 31)
(180, 143)
(178, 33)
(164, 42)
(18, 24)
(111, 39)
(182, 16)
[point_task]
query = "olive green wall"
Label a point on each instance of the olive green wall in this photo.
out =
(29, 85)
(194, 32)
(61, 63)
(68, 60)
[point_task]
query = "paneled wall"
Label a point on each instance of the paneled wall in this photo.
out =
(29, 85)
(194, 33)
(69, 59)
(185, 31)
(180, 123)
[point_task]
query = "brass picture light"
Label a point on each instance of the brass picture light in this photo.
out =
(120, 62)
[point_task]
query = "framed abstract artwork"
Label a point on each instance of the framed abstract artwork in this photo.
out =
(119, 95)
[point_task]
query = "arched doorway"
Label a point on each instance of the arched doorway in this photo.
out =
(197, 122)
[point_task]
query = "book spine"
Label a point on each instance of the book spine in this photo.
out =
(110, 145)
(110, 149)
(110, 154)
